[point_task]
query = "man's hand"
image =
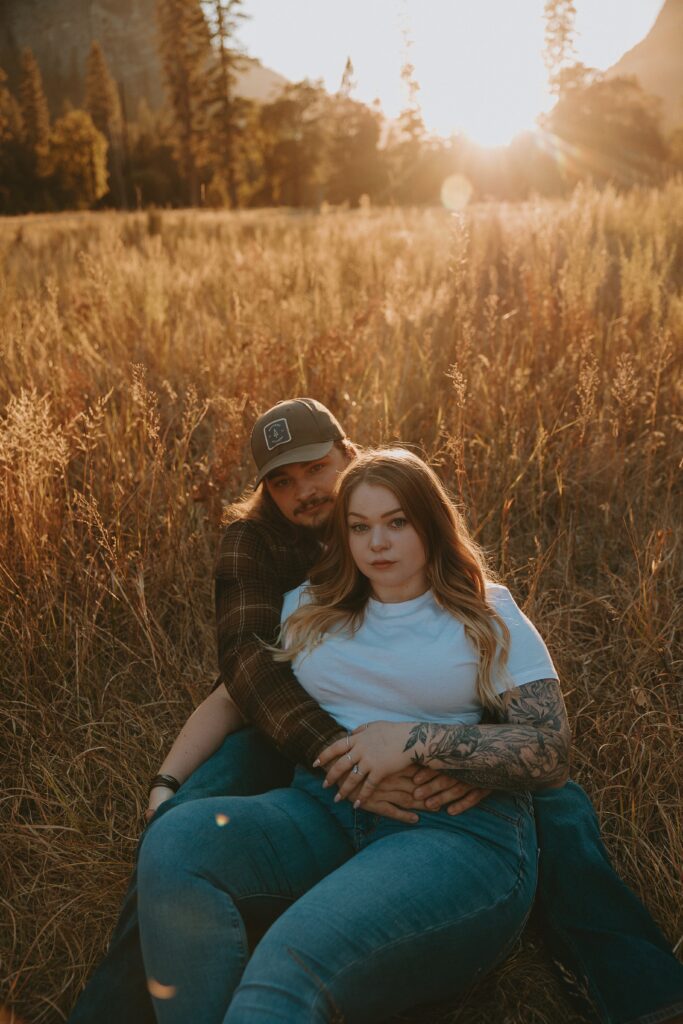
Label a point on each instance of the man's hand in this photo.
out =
(401, 794)
(414, 789)
(439, 791)
(418, 789)
(395, 796)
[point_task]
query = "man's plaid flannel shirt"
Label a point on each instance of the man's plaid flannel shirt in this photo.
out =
(257, 564)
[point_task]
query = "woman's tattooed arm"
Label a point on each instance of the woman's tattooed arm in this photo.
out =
(529, 750)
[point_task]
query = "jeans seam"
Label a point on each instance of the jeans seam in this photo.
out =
(436, 928)
(240, 928)
(499, 814)
(338, 1015)
(515, 938)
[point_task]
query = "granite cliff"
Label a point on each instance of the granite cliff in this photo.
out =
(657, 62)
(60, 33)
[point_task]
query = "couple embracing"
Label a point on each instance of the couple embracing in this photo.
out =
(377, 786)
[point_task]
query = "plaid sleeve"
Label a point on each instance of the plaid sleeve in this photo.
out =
(249, 596)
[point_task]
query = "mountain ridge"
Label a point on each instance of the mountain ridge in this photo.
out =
(60, 34)
(657, 62)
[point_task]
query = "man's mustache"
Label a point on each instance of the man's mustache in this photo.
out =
(310, 506)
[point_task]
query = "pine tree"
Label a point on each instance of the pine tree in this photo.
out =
(101, 95)
(226, 110)
(559, 53)
(35, 114)
(410, 119)
(103, 104)
(185, 51)
(79, 153)
(355, 162)
(347, 84)
(12, 152)
(292, 129)
(611, 132)
(154, 173)
(406, 149)
(11, 123)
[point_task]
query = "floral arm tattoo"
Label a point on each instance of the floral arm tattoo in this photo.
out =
(529, 750)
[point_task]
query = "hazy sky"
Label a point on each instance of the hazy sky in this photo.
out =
(478, 61)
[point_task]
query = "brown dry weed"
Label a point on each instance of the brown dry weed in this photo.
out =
(533, 353)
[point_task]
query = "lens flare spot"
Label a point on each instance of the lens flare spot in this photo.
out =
(221, 820)
(456, 192)
(159, 991)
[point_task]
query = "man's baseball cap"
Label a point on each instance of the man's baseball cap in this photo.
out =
(298, 430)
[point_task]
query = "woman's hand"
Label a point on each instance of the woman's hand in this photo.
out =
(157, 797)
(376, 750)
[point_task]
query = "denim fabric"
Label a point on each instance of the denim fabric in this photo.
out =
(370, 915)
(593, 925)
(117, 992)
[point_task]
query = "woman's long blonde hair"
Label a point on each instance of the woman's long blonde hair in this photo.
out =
(456, 566)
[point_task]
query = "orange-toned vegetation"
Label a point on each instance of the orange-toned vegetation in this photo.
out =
(529, 351)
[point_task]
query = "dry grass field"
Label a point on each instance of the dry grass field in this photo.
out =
(534, 354)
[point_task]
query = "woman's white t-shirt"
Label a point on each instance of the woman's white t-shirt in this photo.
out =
(412, 661)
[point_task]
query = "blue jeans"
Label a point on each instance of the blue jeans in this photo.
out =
(592, 923)
(117, 991)
(367, 916)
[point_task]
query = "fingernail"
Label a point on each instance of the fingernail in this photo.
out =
(316, 764)
(337, 798)
(356, 805)
(325, 784)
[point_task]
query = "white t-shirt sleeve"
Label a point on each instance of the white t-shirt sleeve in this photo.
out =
(528, 657)
(293, 599)
(290, 603)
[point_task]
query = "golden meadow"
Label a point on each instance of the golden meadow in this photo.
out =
(532, 352)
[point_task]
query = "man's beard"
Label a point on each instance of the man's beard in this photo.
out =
(316, 529)
(312, 506)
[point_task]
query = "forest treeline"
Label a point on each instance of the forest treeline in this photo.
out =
(209, 146)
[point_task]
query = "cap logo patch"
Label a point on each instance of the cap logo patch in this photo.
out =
(276, 433)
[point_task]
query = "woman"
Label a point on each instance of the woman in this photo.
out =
(402, 637)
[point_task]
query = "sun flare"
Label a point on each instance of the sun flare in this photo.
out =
(478, 62)
(477, 81)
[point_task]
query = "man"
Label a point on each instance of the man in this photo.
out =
(596, 929)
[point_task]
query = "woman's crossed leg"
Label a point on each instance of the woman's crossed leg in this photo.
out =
(207, 870)
(417, 914)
